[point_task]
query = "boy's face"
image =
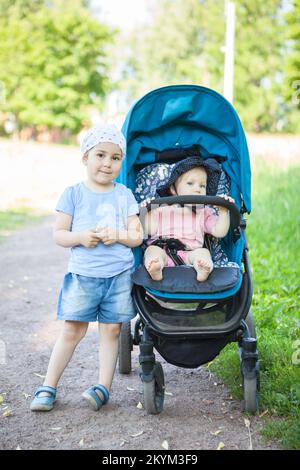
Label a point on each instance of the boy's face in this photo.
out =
(192, 182)
(103, 163)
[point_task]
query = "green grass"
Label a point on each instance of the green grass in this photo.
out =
(15, 219)
(274, 241)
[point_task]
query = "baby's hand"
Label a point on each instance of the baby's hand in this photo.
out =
(146, 201)
(227, 198)
(89, 238)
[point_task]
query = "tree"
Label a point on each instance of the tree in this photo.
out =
(183, 44)
(292, 68)
(258, 63)
(23, 7)
(52, 62)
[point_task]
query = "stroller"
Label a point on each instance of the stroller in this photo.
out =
(189, 322)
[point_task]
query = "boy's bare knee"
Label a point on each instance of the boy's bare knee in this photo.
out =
(74, 331)
(111, 329)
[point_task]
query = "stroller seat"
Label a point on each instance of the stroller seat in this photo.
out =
(180, 282)
(154, 175)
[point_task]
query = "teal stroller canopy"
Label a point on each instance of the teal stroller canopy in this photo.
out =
(181, 116)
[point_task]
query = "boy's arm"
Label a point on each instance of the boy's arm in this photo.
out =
(63, 236)
(132, 236)
(150, 223)
(148, 218)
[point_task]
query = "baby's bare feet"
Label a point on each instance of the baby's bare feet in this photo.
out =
(203, 268)
(154, 268)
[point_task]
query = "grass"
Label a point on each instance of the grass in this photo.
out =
(15, 219)
(274, 241)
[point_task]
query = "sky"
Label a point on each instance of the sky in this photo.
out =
(126, 14)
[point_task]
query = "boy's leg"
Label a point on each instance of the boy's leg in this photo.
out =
(202, 262)
(155, 259)
(108, 353)
(71, 334)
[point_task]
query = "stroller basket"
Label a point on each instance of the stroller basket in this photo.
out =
(193, 317)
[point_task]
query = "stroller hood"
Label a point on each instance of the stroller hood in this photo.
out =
(211, 166)
(181, 116)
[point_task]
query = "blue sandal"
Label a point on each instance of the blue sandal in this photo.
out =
(92, 397)
(43, 403)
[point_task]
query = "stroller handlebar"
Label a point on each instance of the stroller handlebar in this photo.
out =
(236, 221)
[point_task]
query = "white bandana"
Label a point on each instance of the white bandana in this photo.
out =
(98, 134)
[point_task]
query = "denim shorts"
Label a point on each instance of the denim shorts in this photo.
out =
(88, 299)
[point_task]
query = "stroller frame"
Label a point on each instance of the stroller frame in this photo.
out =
(238, 327)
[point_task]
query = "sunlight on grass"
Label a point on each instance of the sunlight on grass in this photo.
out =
(14, 219)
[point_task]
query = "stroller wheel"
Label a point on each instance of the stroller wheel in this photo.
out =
(154, 391)
(250, 374)
(251, 395)
(125, 348)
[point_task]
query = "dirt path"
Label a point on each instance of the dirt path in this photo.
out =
(198, 411)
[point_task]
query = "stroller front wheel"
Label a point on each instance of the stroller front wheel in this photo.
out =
(125, 348)
(251, 395)
(154, 391)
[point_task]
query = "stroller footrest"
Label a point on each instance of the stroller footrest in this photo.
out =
(183, 279)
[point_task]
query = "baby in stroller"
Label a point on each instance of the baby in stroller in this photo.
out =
(188, 224)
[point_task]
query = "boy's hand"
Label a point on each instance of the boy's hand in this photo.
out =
(108, 235)
(89, 238)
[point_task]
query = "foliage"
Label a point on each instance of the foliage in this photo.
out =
(181, 45)
(258, 63)
(292, 67)
(274, 243)
(52, 61)
(184, 43)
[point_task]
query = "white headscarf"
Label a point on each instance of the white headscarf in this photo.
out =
(98, 134)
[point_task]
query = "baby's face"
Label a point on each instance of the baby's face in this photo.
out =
(192, 182)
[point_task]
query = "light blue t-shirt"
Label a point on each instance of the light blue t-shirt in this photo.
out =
(90, 209)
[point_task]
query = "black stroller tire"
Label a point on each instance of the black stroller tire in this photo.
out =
(250, 395)
(250, 378)
(154, 391)
(125, 348)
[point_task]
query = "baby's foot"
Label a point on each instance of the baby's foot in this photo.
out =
(203, 268)
(154, 268)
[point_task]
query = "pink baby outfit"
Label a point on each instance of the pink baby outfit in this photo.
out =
(185, 225)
